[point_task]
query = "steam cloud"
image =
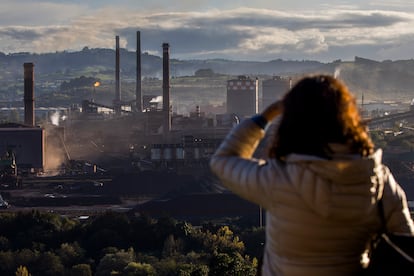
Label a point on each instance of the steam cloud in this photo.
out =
(54, 118)
(157, 99)
(54, 151)
(337, 72)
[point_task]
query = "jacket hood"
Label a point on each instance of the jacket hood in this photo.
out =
(346, 180)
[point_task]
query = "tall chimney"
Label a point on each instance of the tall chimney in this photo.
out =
(29, 109)
(166, 87)
(117, 78)
(138, 92)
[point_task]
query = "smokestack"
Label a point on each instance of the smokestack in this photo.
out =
(138, 92)
(166, 86)
(117, 70)
(29, 108)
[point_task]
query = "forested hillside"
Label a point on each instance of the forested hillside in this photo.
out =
(111, 243)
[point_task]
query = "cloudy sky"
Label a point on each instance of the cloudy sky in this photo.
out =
(258, 30)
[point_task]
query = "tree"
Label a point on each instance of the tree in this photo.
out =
(231, 265)
(115, 262)
(26, 257)
(166, 266)
(108, 229)
(164, 227)
(224, 241)
(48, 263)
(70, 253)
(80, 82)
(164, 246)
(139, 269)
(22, 271)
(192, 270)
(172, 246)
(200, 270)
(8, 263)
(81, 270)
(220, 264)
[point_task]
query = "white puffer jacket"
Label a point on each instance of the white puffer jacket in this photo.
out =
(319, 213)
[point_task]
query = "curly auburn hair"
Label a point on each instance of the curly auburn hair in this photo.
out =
(317, 111)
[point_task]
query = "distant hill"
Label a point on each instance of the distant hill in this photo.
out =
(377, 80)
(103, 60)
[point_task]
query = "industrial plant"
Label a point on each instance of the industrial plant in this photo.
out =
(129, 147)
(137, 147)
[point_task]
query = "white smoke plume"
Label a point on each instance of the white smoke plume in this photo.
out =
(157, 99)
(54, 118)
(337, 72)
(54, 150)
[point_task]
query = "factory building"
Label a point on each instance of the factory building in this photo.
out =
(273, 89)
(242, 96)
(26, 143)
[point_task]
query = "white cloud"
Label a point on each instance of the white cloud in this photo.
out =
(38, 13)
(239, 33)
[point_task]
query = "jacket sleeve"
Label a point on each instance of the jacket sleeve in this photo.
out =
(396, 209)
(235, 166)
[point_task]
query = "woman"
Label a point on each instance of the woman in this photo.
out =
(320, 183)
